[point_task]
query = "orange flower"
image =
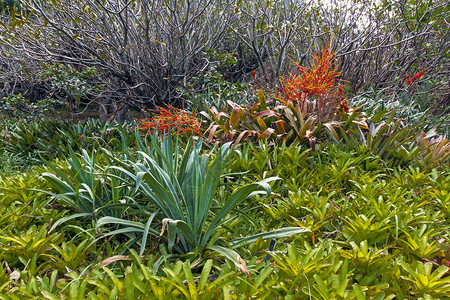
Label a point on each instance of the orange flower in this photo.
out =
(320, 76)
(410, 81)
(344, 107)
(319, 79)
(178, 120)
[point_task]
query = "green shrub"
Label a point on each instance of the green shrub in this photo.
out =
(159, 182)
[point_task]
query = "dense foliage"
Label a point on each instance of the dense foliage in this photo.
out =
(116, 210)
(258, 174)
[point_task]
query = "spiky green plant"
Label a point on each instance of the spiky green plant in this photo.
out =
(182, 188)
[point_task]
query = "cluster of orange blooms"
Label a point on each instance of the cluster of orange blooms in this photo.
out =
(173, 118)
(317, 80)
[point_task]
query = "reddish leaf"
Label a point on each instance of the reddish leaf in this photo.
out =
(234, 118)
(266, 133)
(242, 135)
(280, 126)
(212, 132)
(266, 113)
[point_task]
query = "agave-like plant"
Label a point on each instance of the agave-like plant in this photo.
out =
(87, 188)
(183, 188)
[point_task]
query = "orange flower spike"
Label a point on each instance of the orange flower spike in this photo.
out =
(320, 77)
(419, 75)
(171, 117)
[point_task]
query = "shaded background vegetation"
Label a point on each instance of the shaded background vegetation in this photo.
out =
(139, 54)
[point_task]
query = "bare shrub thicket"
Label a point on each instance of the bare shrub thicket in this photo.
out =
(146, 52)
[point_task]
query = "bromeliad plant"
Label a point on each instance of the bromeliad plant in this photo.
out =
(304, 104)
(316, 84)
(398, 142)
(243, 122)
(286, 122)
(32, 141)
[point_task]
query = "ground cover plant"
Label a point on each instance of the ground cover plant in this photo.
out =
(88, 225)
(285, 186)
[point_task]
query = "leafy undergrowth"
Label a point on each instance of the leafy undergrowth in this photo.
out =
(295, 196)
(91, 226)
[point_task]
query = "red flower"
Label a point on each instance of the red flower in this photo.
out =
(419, 75)
(254, 74)
(410, 81)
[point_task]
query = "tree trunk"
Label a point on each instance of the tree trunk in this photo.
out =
(120, 112)
(103, 104)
